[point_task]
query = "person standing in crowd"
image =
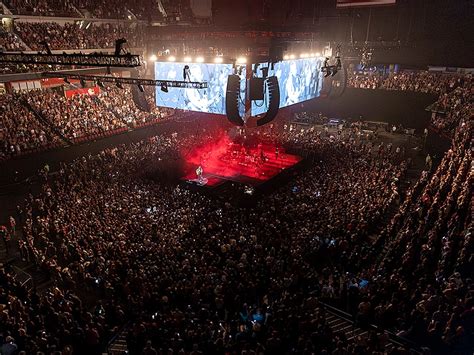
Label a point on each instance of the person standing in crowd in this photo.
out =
(5, 237)
(12, 225)
(9, 347)
(428, 162)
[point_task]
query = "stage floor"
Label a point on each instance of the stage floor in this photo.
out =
(224, 160)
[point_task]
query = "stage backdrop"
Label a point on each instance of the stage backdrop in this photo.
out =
(210, 100)
(299, 80)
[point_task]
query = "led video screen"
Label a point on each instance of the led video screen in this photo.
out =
(210, 100)
(299, 80)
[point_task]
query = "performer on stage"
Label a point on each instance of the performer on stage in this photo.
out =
(199, 172)
(263, 157)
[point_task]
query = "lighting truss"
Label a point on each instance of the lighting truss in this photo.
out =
(129, 81)
(78, 59)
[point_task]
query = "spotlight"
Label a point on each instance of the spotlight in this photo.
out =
(171, 59)
(164, 87)
(241, 60)
(304, 55)
(153, 58)
(318, 54)
(292, 56)
(286, 57)
(218, 60)
(187, 59)
(199, 60)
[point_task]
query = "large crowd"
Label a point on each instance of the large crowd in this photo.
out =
(88, 115)
(194, 274)
(20, 131)
(105, 9)
(9, 42)
(78, 118)
(188, 273)
(73, 36)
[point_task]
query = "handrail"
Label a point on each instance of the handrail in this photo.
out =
(19, 271)
(45, 121)
(394, 338)
(116, 335)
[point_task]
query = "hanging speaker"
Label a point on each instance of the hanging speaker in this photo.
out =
(139, 99)
(338, 83)
(138, 95)
(273, 101)
(232, 100)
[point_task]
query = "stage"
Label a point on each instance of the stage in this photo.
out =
(222, 160)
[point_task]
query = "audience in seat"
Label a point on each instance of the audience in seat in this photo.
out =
(10, 43)
(72, 36)
(20, 131)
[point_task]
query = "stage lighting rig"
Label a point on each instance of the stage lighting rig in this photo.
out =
(128, 81)
(331, 70)
(119, 46)
(77, 59)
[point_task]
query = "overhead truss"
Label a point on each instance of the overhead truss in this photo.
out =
(129, 81)
(77, 59)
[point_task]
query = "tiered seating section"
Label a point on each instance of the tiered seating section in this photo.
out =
(72, 36)
(79, 119)
(104, 9)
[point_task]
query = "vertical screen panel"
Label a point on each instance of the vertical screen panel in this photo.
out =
(210, 100)
(299, 80)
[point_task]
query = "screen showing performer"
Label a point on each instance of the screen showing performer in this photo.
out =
(210, 100)
(299, 80)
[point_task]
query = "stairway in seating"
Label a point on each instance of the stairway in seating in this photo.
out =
(340, 322)
(4, 9)
(46, 122)
(118, 345)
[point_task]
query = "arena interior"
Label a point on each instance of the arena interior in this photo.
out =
(246, 177)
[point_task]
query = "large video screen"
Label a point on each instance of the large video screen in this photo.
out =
(210, 100)
(299, 80)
